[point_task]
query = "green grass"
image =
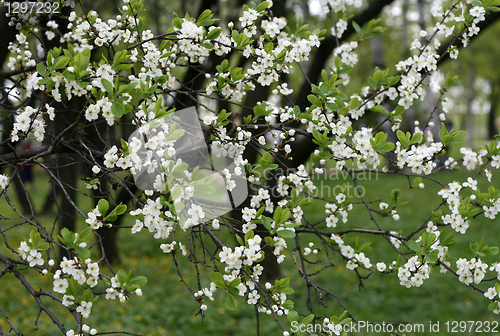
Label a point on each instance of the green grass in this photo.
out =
(442, 297)
(167, 308)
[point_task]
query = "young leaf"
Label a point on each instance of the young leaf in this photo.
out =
(107, 86)
(82, 252)
(286, 233)
(103, 206)
(138, 282)
(216, 276)
(307, 320)
(231, 302)
(84, 235)
(415, 246)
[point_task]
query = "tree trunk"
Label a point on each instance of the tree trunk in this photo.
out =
(492, 125)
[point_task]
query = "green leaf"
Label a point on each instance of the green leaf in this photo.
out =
(414, 246)
(107, 86)
(460, 135)
(416, 181)
(236, 36)
(84, 235)
(269, 241)
(404, 139)
(111, 217)
(493, 250)
(215, 33)
(138, 282)
(285, 233)
(60, 62)
(64, 238)
(365, 246)
(118, 109)
(249, 235)
(416, 138)
(395, 194)
(119, 57)
(446, 139)
(292, 315)
(474, 246)
(234, 283)
(240, 241)
(69, 75)
(207, 14)
(231, 302)
(120, 209)
(446, 240)
(216, 276)
(176, 135)
(103, 206)
(42, 247)
(277, 214)
(220, 284)
(284, 216)
(492, 306)
(262, 6)
(307, 320)
(357, 28)
(41, 69)
(177, 22)
(288, 304)
(386, 147)
(82, 252)
(378, 75)
(287, 290)
(121, 276)
(281, 283)
(176, 192)
(87, 296)
(432, 256)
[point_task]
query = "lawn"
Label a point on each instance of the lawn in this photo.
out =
(167, 308)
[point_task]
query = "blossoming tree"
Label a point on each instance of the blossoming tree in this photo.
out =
(77, 83)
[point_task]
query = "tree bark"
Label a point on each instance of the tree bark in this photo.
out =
(492, 122)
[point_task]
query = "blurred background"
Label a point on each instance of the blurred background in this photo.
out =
(167, 308)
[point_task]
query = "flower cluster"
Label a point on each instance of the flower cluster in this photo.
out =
(414, 272)
(94, 219)
(22, 56)
(419, 158)
(29, 123)
(31, 255)
(334, 210)
(354, 259)
(471, 270)
(242, 255)
(87, 272)
(453, 199)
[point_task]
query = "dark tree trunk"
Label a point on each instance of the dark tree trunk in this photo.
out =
(492, 124)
